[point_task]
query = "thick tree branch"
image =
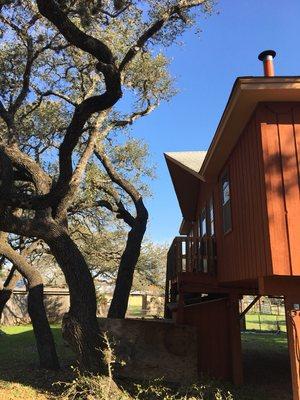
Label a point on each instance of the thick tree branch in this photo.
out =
(134, 116)
(155, 27)
(20, 263)
(51, 11)
(6, 173)
(81, 166)
(118, 208)
(106, 64)
(26, 226)
(115, 176)
(41, 180)
(59, 95)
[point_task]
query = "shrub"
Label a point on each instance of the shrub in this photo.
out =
(98, 387)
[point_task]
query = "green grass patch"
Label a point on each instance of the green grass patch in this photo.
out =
(135, 301)
(266, 367)
(20, 377)
(265, 322)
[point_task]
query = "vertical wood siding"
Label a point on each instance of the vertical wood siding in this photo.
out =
(280, 136)
(213, 323)
(265, 198)
(243, 253)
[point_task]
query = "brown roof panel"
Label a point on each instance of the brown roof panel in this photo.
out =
(183, 167)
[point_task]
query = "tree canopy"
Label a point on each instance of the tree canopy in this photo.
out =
(75, 74)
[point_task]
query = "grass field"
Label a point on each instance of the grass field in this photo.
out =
(265, 322)
(19, 376)
(135, 306)
(265, 359)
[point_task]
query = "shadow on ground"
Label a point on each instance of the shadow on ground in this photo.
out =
(267, 365)
(19, 360)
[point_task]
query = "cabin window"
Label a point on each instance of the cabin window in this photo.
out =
(203, 227)
(226, 206)
(211, 217)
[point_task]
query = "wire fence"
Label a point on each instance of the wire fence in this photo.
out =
(268, 314)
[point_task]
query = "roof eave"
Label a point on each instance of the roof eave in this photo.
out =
(245, 95)
(185, 227)
(187, 169)
(186, 187)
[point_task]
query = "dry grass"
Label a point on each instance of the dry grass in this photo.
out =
(18, 391)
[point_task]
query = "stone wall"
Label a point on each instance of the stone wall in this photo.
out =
(56, 301)
(153, 349)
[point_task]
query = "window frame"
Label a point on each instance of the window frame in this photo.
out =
(226, 206)
(211, 216)
(203, 213)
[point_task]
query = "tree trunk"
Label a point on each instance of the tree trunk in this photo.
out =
(43, 335)
(130, 256)
(80, 325)
(8, 287)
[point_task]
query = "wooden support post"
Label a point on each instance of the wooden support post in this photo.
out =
(248, 308)
(235, 340)
(242, 317)
(292, 304)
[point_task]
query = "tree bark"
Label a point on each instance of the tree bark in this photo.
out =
(80, 325)
(36, 309)
(8, 287)
(43, 335)
(119, 303)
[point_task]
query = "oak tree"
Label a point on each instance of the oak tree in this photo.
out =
(69, 61)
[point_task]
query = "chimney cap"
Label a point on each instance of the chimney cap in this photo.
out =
(266, 53)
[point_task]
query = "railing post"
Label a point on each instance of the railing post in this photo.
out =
(187, 255)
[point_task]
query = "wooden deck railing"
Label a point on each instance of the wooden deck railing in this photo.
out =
(188, 254)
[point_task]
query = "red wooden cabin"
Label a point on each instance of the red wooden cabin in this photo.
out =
(240, 232)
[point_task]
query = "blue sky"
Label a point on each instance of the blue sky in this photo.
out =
(205, 69)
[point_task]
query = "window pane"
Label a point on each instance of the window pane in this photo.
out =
(226, 217)
(205, 265)
(183, 248)
(203, 222)
(211, 217)
(183, 263)
(226, 207)
(225, 190)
